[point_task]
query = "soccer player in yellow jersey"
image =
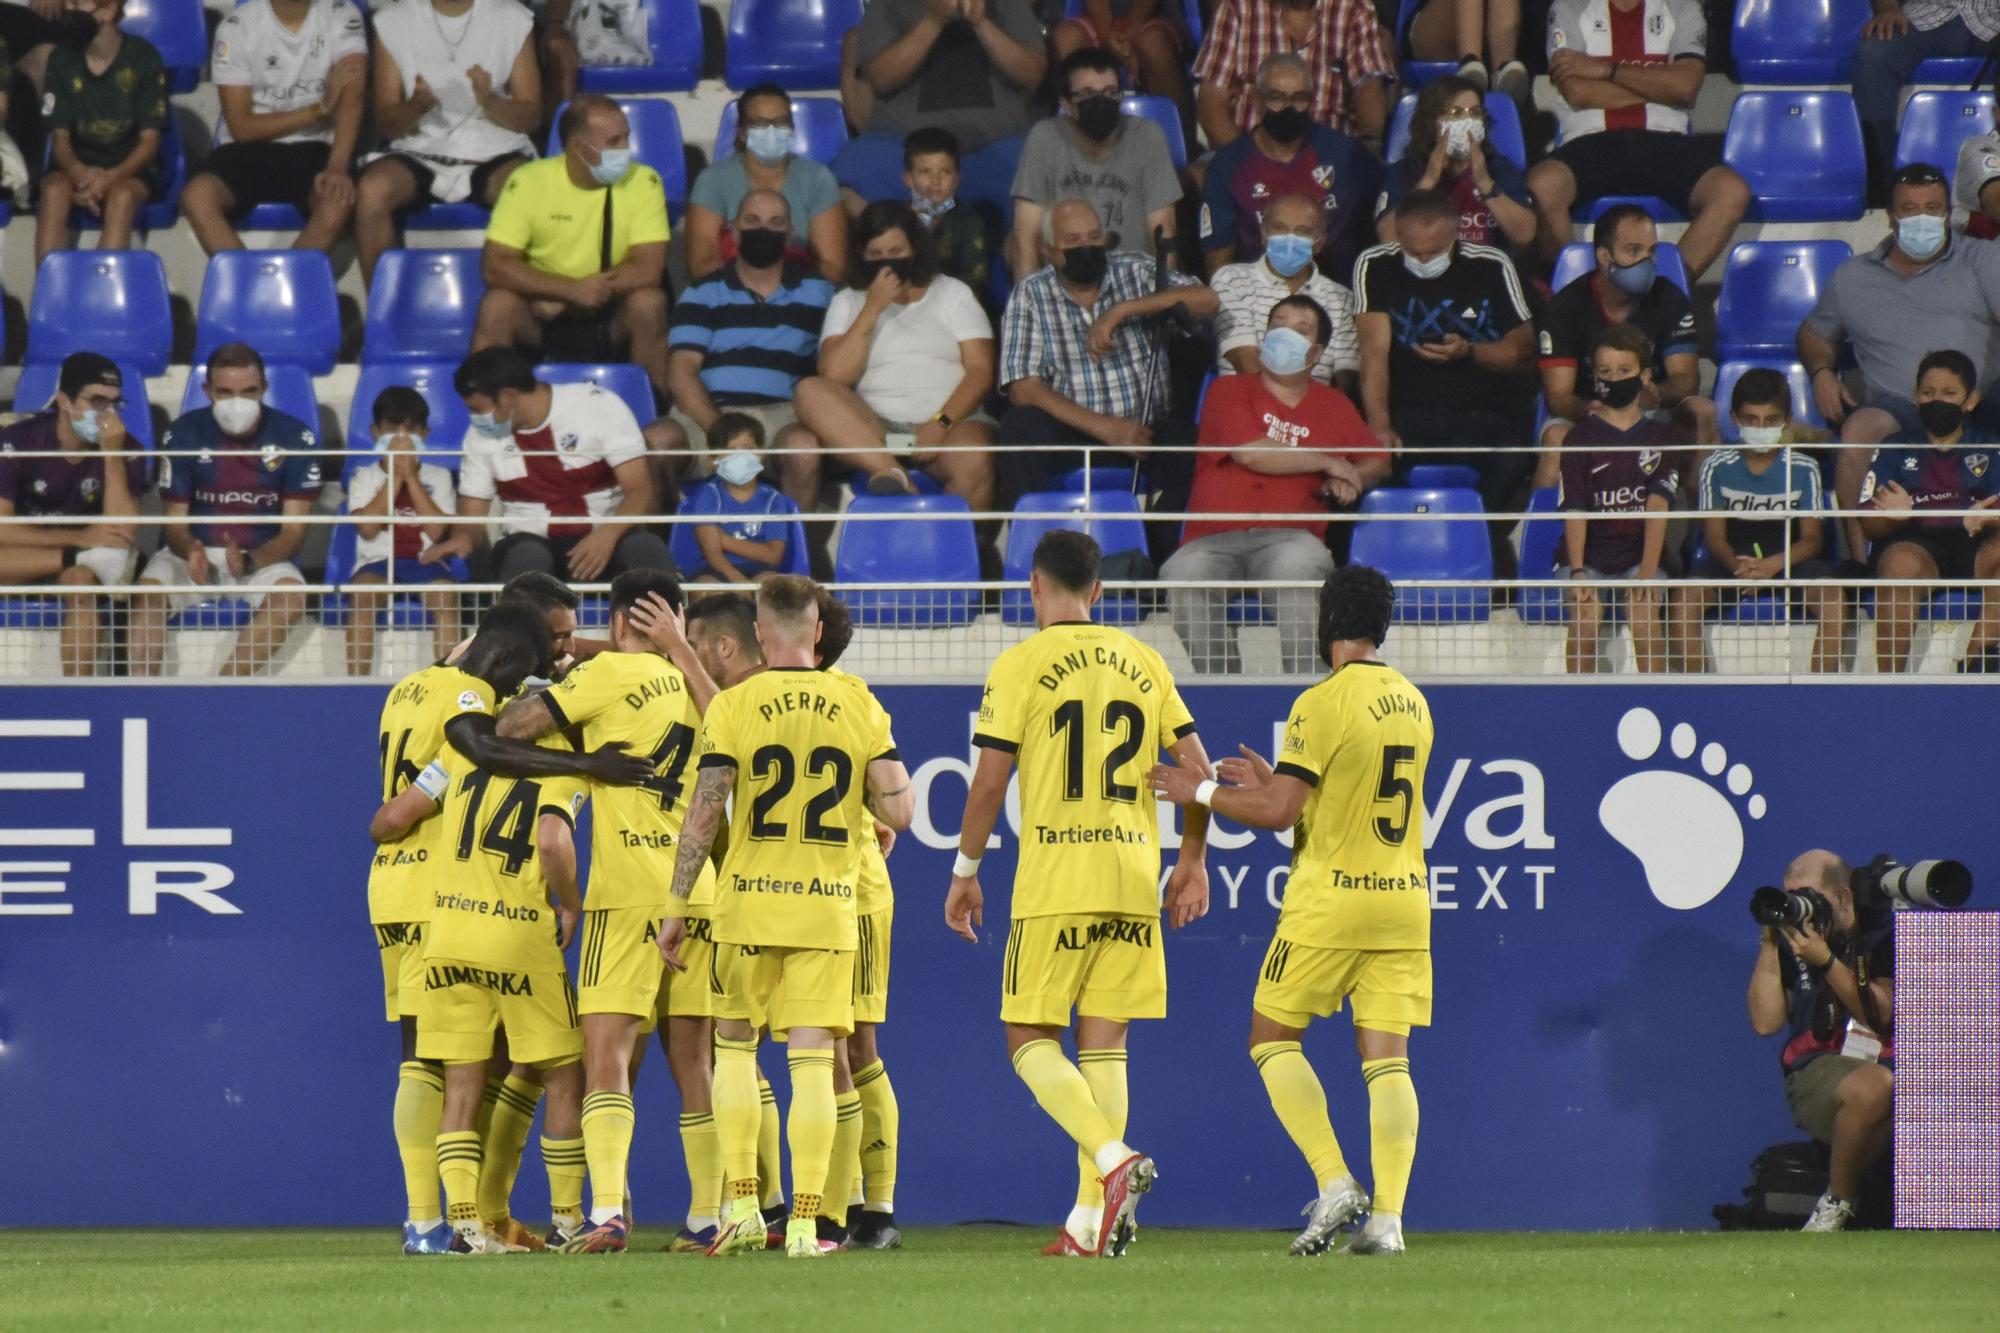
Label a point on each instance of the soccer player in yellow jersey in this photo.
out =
(427, 711)
(630, 694)
(1080, 707)
(807, 759)
(493, 949)
(1356, 921)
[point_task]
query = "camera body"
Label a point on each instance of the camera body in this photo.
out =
(1793, 908)
(1879, 887)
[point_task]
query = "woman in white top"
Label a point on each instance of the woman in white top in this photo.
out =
(905, 363)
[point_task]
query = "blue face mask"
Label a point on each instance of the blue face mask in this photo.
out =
(740, 468)
(929, 209)
(1284, 351)
(1921, 236)
(86, 427)
(489, 426)
(611, 165)
(1426, 269)
(1288, 254)
(1634, 279)
(768, 143)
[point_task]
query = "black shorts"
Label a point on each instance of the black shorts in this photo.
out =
(268, 173)
(1641, 162)
(426, 175)
(1951, 549)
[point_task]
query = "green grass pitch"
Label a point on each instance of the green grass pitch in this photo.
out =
(989, 1278)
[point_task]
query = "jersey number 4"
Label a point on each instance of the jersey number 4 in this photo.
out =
(1394, 788)
(777, 766)
(670, 760)
(510, 831)
(1122, 719)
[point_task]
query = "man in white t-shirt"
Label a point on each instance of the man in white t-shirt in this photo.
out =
(1294, 229)
(905, 363)
(291, 76)
(554, 458)
(457, 92)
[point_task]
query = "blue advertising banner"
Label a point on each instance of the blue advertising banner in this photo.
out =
(190, 1004)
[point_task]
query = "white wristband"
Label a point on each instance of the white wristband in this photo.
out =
(1205, 791)
(433, 782)
(965, 867)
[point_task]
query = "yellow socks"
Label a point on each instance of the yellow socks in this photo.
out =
(809, 1128)
(505, 1139)
(1062, 1092)
(734, 1097)
(1300, 1101)
(704, 1167)
(844, 1164)
(881, 1121)
(458, 1167)
(607, 1143)
(419, 1103)
(1392, 1129)
(770, 1167)
(565, 1162)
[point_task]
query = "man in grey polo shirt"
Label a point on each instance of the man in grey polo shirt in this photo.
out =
(1922, 289)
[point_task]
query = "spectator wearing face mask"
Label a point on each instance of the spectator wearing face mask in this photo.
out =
(1448, 151)
(1344, 46)
(106, 109)
(399, 481)
(1094, 151)
(958, 231)
(1286, 153)
(1250, 290)
(764, 160)
(1276, 442)
(751, 536)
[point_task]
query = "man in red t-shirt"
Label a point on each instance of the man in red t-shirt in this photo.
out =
(1275, 443)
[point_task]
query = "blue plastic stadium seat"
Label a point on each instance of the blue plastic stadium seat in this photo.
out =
(462, 216)
(288, 388)
(1190, 18)
(176, 28)
(1726, 375)
(163, 209)
(792, 43)
(1439, 548)
(422, 306)
(1956, 71)
(1112, 517)
(1541, 539)
(656, 141)
(687, 550)
(819, 128)
(433, 381)
(1580, 257)
(622, 378)
(31, 612)
(109, 301)
(1101, 479)
(1162, 112)
(1504, 134)
(1935, 124)
(403, 611)
(929, 541)
(1801, 153)
(1796, 42)
(1661, 210)
(1768, 288)
(1417, 73)
(272, 217)
(281, 302)
(38, 385)
(225, 613)
(673, 30)
(1443, 476)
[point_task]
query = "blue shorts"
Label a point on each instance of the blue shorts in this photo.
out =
(871, 165)
(411, 570)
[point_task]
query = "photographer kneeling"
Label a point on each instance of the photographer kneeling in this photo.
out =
(1832, 987)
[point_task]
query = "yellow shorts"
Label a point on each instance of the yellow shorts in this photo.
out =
(618, 969)
(782, 989)
(689, 994)
(1390, 988)
(871, 967)
(402, 947)
(465, 1002)
(1102, 966)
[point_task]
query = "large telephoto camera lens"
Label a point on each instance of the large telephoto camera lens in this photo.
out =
(1929, 884)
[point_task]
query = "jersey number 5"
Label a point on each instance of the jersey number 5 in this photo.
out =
(778, 766)
(1120, 716)
(1394, 786)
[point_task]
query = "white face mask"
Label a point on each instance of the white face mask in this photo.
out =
(416, 442)
(1761, 437)
(1461, 134)
(238, 416)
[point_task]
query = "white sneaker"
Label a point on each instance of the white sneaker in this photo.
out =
(1382, 1235)
(1339, 1204)
(1829, 1214)
(476, 1239)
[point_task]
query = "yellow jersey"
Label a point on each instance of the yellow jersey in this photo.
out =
(1084, 709)
(800, 742)
(412, 733)
(872, 892)
(490, 904)
(559, 227)
(1361, 739)
(641, 699)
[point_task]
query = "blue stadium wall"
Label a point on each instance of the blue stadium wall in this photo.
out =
(190, 1021)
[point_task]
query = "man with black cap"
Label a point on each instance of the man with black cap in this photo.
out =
(55, 464)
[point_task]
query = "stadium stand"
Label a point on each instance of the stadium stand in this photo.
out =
(1801, 153)
(1403, 549)
(109, 301)
(1111, 516)
(177, 29)
(1768, 288)
(673, 29)
(932, 542)
(422, 306)
(792, 43)
(1936, 123)
(281, 302)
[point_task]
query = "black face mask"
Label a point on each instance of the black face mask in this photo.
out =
(903, 267)
(1940, 418)
(1287, 126)
(761, 247)
(76, 28)
(1085, 265)
(1097, 117)
(1617, 394)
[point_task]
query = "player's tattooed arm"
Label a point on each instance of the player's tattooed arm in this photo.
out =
(526, 719)
(889, 793)
(698, 827)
